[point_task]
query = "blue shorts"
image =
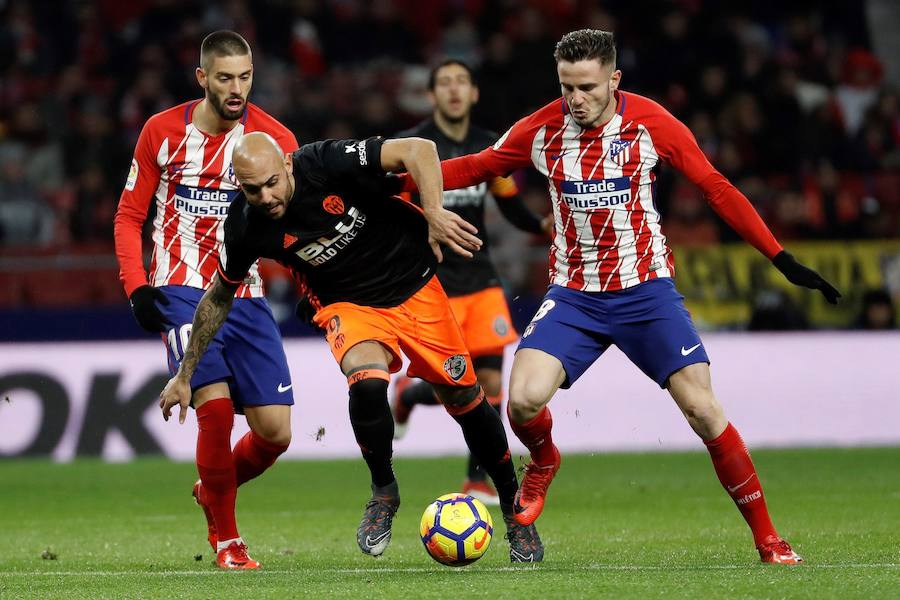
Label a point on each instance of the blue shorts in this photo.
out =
(648, 322)
(246, 353)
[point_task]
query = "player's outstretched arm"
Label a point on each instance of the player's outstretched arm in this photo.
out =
(210, 314)
(419, 157)
(799, 274)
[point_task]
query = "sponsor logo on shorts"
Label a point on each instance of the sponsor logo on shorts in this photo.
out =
(501, 327)
(455, 366)
(333, 204)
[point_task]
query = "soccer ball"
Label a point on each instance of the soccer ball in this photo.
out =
(456, 529)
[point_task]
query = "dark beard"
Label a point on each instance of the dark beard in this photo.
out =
(224, 113)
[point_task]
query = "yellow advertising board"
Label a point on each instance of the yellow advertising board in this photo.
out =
(720, 283)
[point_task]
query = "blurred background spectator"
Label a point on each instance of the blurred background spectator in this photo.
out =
(877, 311)
(792, 101)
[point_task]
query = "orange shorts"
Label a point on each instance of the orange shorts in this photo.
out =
(484, 320)
(423, 327)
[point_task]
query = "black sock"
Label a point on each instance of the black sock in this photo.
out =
(486, 438)
(475, 472)
(373, 427)
(420, 392)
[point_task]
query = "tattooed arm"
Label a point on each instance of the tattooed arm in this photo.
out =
(210, 314)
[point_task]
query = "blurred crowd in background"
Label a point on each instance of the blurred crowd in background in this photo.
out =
(787, 99)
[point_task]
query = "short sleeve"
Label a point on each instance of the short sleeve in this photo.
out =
(341, 161)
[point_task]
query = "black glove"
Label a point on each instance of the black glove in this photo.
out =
(305, 311)
(146, 313)
(802, 275)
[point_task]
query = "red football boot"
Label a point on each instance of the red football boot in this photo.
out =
(235, 557)
(530, 497)
(211, 535)
(777, 551)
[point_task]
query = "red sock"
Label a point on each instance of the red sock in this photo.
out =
(737, 474)
(215, 463)
(253, 455)
(495, 400)
(535, 434)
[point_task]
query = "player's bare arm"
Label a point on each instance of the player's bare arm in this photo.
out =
(419, 157)
(208, 319)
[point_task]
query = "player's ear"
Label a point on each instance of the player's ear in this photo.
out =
(474, 94)
(201, 77)
(614, 80)
(289, 163)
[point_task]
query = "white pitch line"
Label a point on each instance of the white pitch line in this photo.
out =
(522, 568)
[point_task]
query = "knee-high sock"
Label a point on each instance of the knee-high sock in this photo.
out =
(373, 426)
(737, 474)
(474, 471)
(535, 434)
(253, 455)
(487, 441)
(215, 463)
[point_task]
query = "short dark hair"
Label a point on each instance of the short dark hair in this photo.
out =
(432, 77)
(222, 43)
(586, 44)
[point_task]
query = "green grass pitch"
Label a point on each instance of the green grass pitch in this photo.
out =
(615, 526)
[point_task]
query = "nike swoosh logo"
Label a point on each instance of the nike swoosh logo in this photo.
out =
(479, 544)
(283, 388)
(558, 156)
(689, 350)
(732, 490)
(372, 542)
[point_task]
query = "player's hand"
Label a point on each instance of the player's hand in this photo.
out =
(801, 275)
(176, 392)
(146, 313)
(448, 228)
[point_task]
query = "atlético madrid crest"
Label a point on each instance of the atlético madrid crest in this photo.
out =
(620, 152)
(455, 366)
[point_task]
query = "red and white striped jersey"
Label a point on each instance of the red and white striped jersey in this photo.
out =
(601, 182)
(189, 174)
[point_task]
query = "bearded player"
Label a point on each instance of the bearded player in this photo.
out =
(182, 163)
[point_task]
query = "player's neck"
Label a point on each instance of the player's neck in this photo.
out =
(456, 131)
(207, 120)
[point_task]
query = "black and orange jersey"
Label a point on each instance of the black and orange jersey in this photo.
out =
(460, 275)
(344, 231)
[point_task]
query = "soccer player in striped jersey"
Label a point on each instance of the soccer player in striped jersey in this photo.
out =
(182, 163)
(611, 270)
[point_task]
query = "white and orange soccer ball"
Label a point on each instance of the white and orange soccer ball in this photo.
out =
(456, 529)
